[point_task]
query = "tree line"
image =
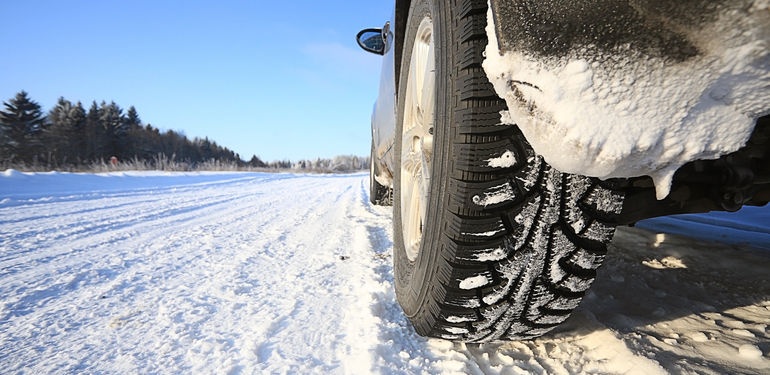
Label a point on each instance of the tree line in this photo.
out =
(70, 135)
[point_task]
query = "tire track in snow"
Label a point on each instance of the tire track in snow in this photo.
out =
(174, 215)
(293, 228)
(100, 215)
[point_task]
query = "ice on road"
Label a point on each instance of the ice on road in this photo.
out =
(287, 273)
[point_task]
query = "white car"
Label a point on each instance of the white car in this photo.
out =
(492, 115)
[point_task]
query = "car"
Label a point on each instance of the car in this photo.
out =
(514, 137)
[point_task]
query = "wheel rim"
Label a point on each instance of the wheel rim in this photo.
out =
(417, 138)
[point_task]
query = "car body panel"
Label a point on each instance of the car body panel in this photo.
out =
(607, 89)
(384, 112)
(555, 28)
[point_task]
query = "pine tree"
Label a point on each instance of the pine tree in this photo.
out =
(64, 137)
(136, 142)
(94, 132)
(77, 144)
(5, 142)
(21, 123)
(132, 118)
(115, 130)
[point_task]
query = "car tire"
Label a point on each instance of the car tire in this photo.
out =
(379, 194)
(499, 245)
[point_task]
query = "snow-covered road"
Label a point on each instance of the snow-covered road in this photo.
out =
(280, 273)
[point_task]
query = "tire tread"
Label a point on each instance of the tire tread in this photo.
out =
(536, 235)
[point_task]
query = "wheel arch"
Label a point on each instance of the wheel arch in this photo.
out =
(400, 17)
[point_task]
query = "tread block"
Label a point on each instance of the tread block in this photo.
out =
(529, 177)
(472, 27)
(495, 157)
(472, 54)
(549, 320)
(470, 279)
(462, 301)
(522, 221)
(599, 232)
(585, 259)
(561, 248)
(564, 303)
(467, 316)
(476, 198)
(481, 230)
(476, 85)
(491, 314)
(576, 189)
(472, 7)
(604, 201)
(575, 283)
(481, 120)
(481, 253)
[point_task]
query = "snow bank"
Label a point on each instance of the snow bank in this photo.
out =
(628, 114)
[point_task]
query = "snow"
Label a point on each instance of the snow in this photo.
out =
(474, 282)
(629, 114)
(667, 262)
(749, 351)
(484, 234)
(490, 255)
(506, 160)
(495, 195)
(141, 272)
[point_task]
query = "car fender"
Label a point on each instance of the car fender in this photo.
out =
(607, 88)
(383, 120)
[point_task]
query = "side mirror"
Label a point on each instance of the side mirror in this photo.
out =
(371, 40)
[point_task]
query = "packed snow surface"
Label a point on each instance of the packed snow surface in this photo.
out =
(627, 114)
(244, 273)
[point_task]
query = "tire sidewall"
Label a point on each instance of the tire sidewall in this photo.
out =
(415, 279)
(373, 191)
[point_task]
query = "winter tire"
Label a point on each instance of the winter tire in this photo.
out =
(489, 241)
(378, 194)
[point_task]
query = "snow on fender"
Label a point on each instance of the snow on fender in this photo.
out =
(626, 114)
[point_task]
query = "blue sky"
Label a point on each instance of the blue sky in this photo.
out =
(279, 79)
